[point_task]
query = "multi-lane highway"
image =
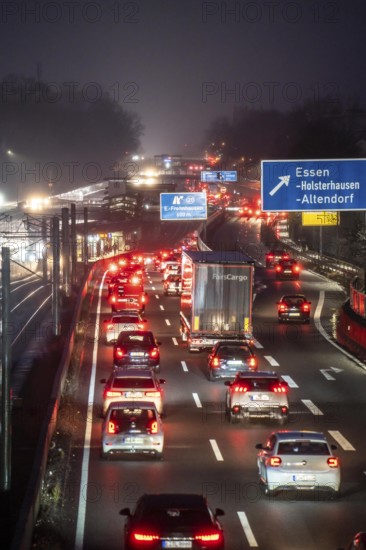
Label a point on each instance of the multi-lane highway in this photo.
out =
(204, 453)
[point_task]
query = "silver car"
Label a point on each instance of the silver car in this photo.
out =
(129, 320)
(298, 460)
(133, 385)
(132, 427)
(261, 394)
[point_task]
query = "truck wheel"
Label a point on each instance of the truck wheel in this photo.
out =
(234, 418)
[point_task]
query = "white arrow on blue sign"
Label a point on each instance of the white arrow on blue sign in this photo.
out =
(183, 206)
(312, 185)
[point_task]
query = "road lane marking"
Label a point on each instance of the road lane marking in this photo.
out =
(175, 341)
(184, 366)
(153, 288)
(271, 361)
(247, 530)
(167, 322)
(197, 400)
(216, 450)
(312, 408)
(289, 381)
(161, 307)
(341, 440)
(326, 374)
(81, 515)
(257, 344)
(157, 296)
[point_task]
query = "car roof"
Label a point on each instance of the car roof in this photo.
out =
(285, 435)
(258, 374)
(126, 333)
(126, 313)
(297, 296)
(132, 405)
(233, 343)
(121, 372)
(175, 499)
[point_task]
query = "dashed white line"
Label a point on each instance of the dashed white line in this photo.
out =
(289, 381)
(257, 344)
(167, 322)
(216, 450)
(197, 400)
(161, 307)
(312, 408)
(157, 296)
(341, 440)
(175, 341)
(271, 361)
(184, 366)
(153, 288)
(326, 374)
(247, 530)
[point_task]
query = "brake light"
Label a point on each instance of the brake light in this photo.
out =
(110, 327)
(135, 280)
(209, 537)
(215, 362)
(154, 353)
(112, 427)
(252, 362)
(143, 298)
(144, 537)
(154, 427)
(110, 393)
(113, 299)
(283, 307)
(240, 388)
(152, 394)
(280, 388)
(305, 307)
(140, 326)
(333, 462)
(296, 268)
(119, 352)
(278, 268)
(275, 461)
(270, 256)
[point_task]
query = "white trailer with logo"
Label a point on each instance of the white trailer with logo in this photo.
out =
(217, 297)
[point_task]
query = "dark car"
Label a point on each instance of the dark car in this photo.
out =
(173, 521)
(287, 269)
(274, 256)
(293, 307)
(228, 357)
(137, 348)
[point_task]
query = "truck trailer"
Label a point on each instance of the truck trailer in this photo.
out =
(216, 299)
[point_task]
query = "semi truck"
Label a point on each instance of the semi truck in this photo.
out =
(216, 299)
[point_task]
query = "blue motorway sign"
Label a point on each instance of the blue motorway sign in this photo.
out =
(183, 206)
(219, 176)
(312, 185)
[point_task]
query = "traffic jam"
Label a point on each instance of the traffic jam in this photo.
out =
(212, 293)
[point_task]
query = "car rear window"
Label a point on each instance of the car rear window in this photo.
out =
(130, 419)
(177, 517)
(259, 384)
(237, 351)
(136, 339)
(303, 448)
(121, 320)
(294, 301)
(121, 383)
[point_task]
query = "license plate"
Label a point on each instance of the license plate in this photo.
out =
(133, 440)
(137, 353)
(294, 314)
(133, 394)
(303, 477)
(259, 397)
(232, 363)
(287, 271)
(177, 544)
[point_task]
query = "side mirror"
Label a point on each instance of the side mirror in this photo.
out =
(159, 343)
(259, 446)
(125, 512)
(103, 380)
(227, 383)
(219, 512)
(334, 447)
(162, 380)
(106, 321)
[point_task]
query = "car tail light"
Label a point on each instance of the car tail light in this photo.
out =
(275, 461)
(281, 387)
(111, 393)
(154, 427)
(215, 362)
(113, 299)
(285, 257)
(305, 307)
(278, 268)
(119, 352)
(283, 307)
(152, 394)
(333, 462)
(112, 427)
(240, 388)
(296, 268)
(154, 353)
(140, 326)
(135, 280)
(235, 409)
(143, 298)
(270, 256)
(144, 537)
(110, 327)
(252, 362)
(209, 537)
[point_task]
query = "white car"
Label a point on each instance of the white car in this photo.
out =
(122, 322)
(132, 427)
(133, 385)
(298, 460)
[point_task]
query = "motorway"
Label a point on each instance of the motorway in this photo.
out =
(205, 454)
